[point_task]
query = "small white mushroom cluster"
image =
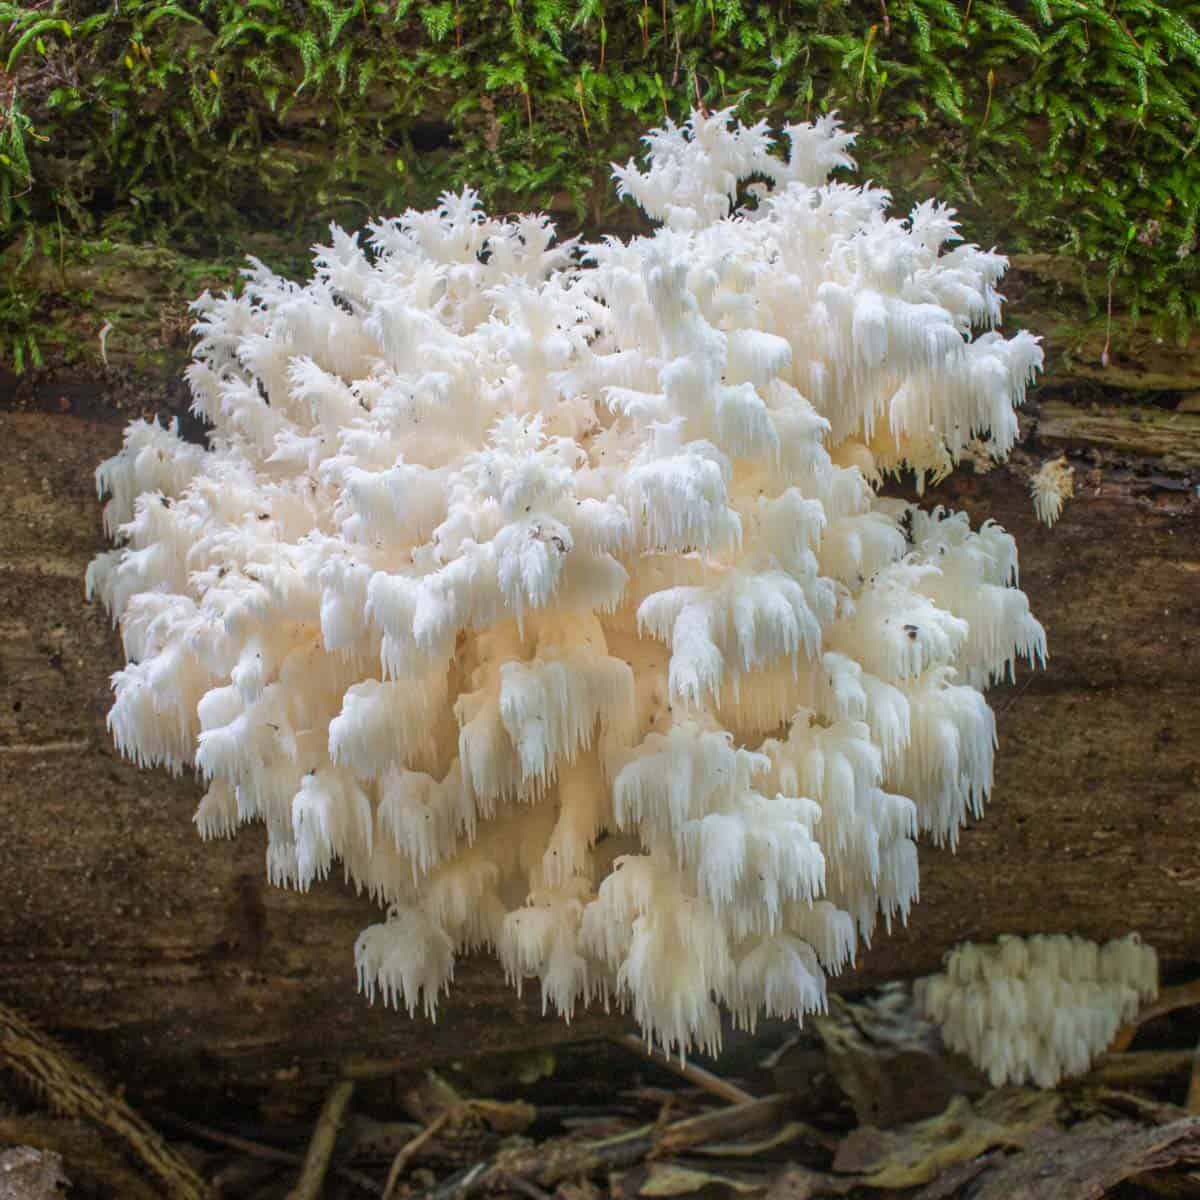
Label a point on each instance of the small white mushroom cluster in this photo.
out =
(1038, 1009)
(547, 587)
(1051, 486)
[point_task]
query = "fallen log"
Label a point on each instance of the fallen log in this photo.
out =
(122, 306)
(177, 969)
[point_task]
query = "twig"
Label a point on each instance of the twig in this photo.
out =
(105, 330)
(1142, 1064)
(219, 1137)
(365, 1070)
(583, 1112)
(72, 1090)
(253, 1149)
(406, 1152)
(320, 1148)
(1169, 999)
(548, 1165)
(698, 1076)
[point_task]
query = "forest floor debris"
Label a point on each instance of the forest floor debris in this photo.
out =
(780, 1117)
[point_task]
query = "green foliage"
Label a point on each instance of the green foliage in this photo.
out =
(19, 304)
(1051, 124)
(15, 173)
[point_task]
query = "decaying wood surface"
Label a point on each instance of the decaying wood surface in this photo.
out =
(176, 969)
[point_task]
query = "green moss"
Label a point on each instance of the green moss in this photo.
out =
(60, 294)
(209, 127)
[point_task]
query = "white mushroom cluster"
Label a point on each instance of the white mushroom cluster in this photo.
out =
(1051, 486)
(1039, 1009)
(547, 587)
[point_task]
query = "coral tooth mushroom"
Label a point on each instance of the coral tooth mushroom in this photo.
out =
(548, 588)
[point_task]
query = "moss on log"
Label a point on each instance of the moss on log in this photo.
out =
(140, 295)
(1066, 304)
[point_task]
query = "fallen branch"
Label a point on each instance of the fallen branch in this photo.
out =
(1139, 1065)
(253, 1149)
(1169, 1000)
(320, 1148)
(70, 1089)
(406, 1152)
(548, 1165)
(705, 1080)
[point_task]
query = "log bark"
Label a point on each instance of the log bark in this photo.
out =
(178, 971)
(1092, 340)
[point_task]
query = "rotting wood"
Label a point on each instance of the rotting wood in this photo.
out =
(1063, 300)
(1085, 1164)
(128, 935)
(1162, 434)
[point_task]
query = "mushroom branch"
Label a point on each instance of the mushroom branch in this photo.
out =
(548, 588)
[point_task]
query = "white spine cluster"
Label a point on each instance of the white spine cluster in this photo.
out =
(547, 587)
(1051, 487)
(1038, 1009)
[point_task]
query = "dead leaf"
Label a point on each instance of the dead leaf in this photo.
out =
(918, 1153)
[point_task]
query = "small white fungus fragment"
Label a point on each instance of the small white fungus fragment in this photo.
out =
(1051, 487)
(1039, 1009)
